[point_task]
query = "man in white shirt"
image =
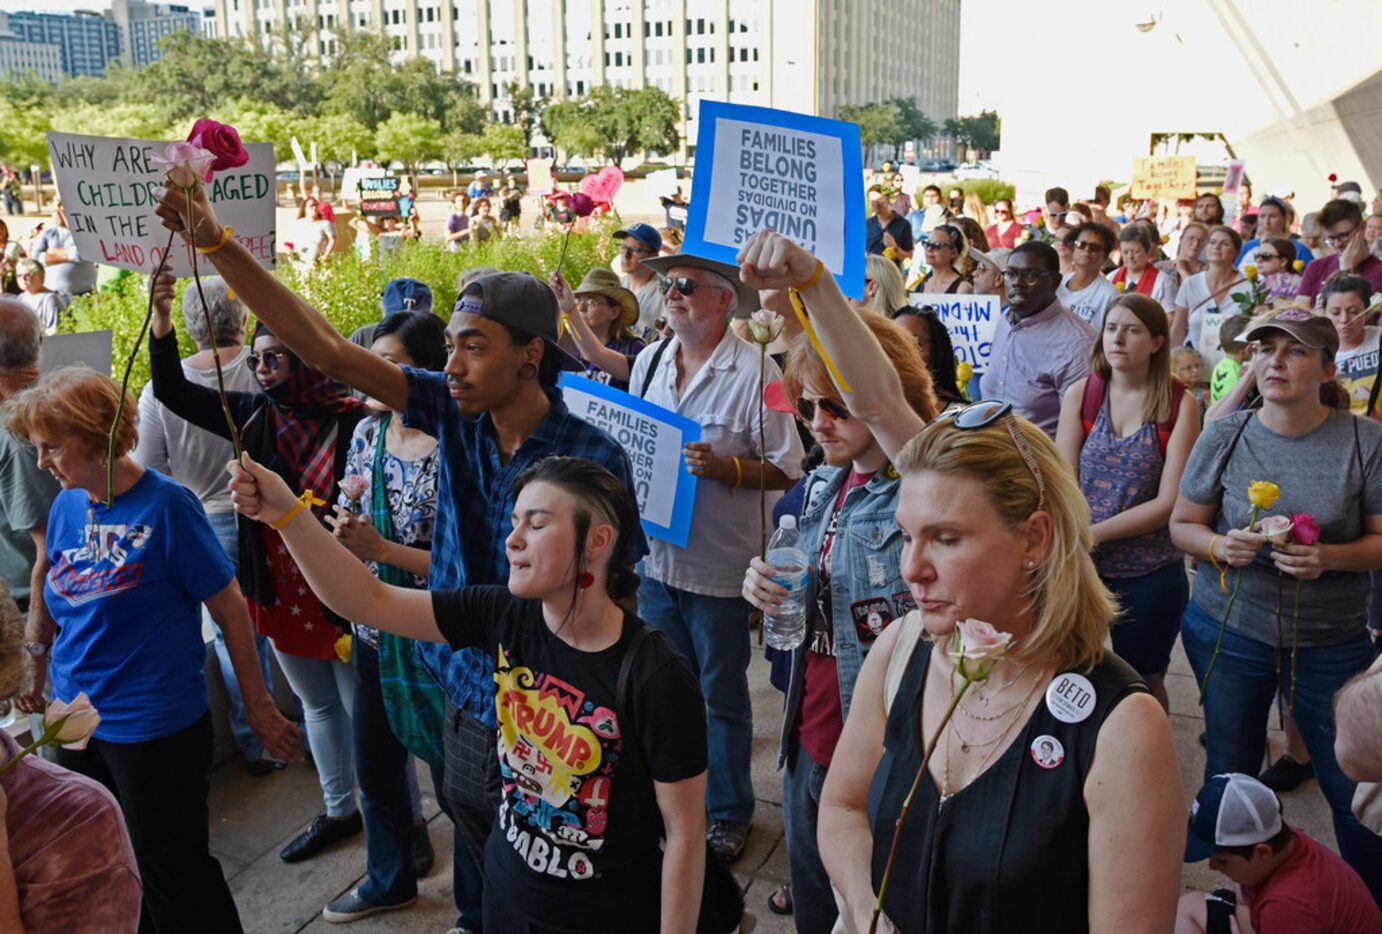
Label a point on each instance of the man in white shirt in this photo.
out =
(692, 594)
(46, 304)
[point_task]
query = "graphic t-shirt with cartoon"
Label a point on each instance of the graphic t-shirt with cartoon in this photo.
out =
(1358, 370)
(572, 835)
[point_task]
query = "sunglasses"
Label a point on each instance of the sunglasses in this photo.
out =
(938, 245)
(806, 408)
(683, 284)
(1089, 246)
(1264, 257)
(980, 415)
(272, 360)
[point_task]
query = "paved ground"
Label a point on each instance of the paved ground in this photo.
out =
(252, 818)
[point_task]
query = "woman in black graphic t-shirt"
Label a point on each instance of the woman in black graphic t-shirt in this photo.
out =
(575, 845)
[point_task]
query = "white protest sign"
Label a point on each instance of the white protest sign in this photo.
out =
(971, 321)
(662, 183)
(653, 437)
(758, 168)
(108, 189)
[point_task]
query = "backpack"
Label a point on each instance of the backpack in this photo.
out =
(1094, 391)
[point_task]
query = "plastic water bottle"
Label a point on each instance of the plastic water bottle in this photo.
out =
(787, 628)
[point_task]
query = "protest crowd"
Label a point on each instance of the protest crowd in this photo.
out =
(978, 571)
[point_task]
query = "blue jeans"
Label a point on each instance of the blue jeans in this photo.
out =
(1153, 604)
(1239, 700)
(813, 904)
(713, 634)
(327, 692)
(223, 524)
(382, 766)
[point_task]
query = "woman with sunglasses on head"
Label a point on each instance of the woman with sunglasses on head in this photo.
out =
(1018, 802)
(855, 589)
(602, 732)
(597, 325)
(299, 423)
(943, 247)
(1297, 627)
(1127, 430)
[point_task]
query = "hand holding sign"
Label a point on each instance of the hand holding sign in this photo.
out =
(771, 261)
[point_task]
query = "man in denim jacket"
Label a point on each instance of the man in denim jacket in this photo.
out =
(856, 588)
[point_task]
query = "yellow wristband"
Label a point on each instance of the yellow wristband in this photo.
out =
(226, 233)
(1223, 571)
(738, 471)
(815, 276)
(307, 499)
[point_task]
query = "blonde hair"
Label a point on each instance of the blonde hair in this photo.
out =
(806, 368)
(74, 404)
(892, 290)
(1149, 311)
(1072, 607)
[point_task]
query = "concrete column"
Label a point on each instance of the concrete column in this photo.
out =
(597, 44)
(558, 13)
(485, 73)
(448, 36)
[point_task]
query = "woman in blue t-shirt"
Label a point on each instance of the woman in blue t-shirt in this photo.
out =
(575, 845)
(131, 566)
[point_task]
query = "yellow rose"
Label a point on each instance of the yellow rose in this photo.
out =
(1298, 265)
(1251, 272)
(1263, 494)
(1165, 239)
(1041, 220)
(1121, 286)
(342, 647)
(890, 253)
(964, 371)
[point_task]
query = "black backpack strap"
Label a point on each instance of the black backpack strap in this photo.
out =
(648, 379)
(1233, 446)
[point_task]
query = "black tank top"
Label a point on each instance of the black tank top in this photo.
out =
(1010, 852)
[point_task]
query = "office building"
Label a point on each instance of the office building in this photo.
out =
(810, 56)
(19, 56)
(141, 25)
(86, 41)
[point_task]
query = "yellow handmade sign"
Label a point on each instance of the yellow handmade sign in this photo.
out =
(1164, 178)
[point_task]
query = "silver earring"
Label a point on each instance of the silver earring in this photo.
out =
(1030, 564)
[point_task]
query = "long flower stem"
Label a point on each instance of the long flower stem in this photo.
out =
(564, 241)
(1223, 625)
(907, 802)
(125, 380)
(1280, 694)
(50, 733)
(762, 458)
(1295, 648)
(215, 353)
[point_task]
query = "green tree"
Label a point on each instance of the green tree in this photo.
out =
(22, 138)
(340, 138)
(407, 138)
(122, 118)
(981, 131)
(912, 124)
(878, 125)
(503, 142)
(459, 147)
(567, 126)
(195, 76)
(527, 107)
(634, 120)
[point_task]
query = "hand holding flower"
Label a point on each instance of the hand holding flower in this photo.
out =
(180, 216)
(257, 492)
(1304, 562)
(1241, 547)
(357, 534)
(354, 487)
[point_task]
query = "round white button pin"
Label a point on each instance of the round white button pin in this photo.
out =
(1070, 697)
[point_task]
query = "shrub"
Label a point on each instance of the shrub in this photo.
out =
(346, 289)
(989, 189)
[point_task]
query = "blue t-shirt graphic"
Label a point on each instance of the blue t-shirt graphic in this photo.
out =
(125, 588)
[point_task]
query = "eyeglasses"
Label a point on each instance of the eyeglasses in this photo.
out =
(1338, 239)
(1025, 275)
(806, 408)
(683, 284)
(980, 415)
(595, 300)
(272, 360)
(634, 250)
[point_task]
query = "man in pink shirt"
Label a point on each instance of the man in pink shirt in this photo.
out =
(1287, 882)
(1343, 230)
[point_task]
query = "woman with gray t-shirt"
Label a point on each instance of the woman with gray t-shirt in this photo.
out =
(1327, 463)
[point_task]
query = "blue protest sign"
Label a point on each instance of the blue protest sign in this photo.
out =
(653, 437)
(799, 175)
(971, 321)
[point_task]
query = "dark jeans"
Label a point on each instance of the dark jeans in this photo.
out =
(813, 904)
(468, 791)
(381, 765)
(161, 785)
(1239, 700)
(1145, 633)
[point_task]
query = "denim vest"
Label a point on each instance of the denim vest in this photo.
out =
(867, 591)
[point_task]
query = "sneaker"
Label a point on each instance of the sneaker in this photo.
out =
(320, 834)
(423, 857)
(1286, 774)
(351, 907)
(264, 765)
(727, 839)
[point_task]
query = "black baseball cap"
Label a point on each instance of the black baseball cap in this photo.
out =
(518, 301)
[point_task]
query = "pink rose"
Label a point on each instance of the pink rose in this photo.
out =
(354, 487)
(81, 720)
(977, 648)
(1304, 529)
(221, 141)
(185, 163)
(1276, 529)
